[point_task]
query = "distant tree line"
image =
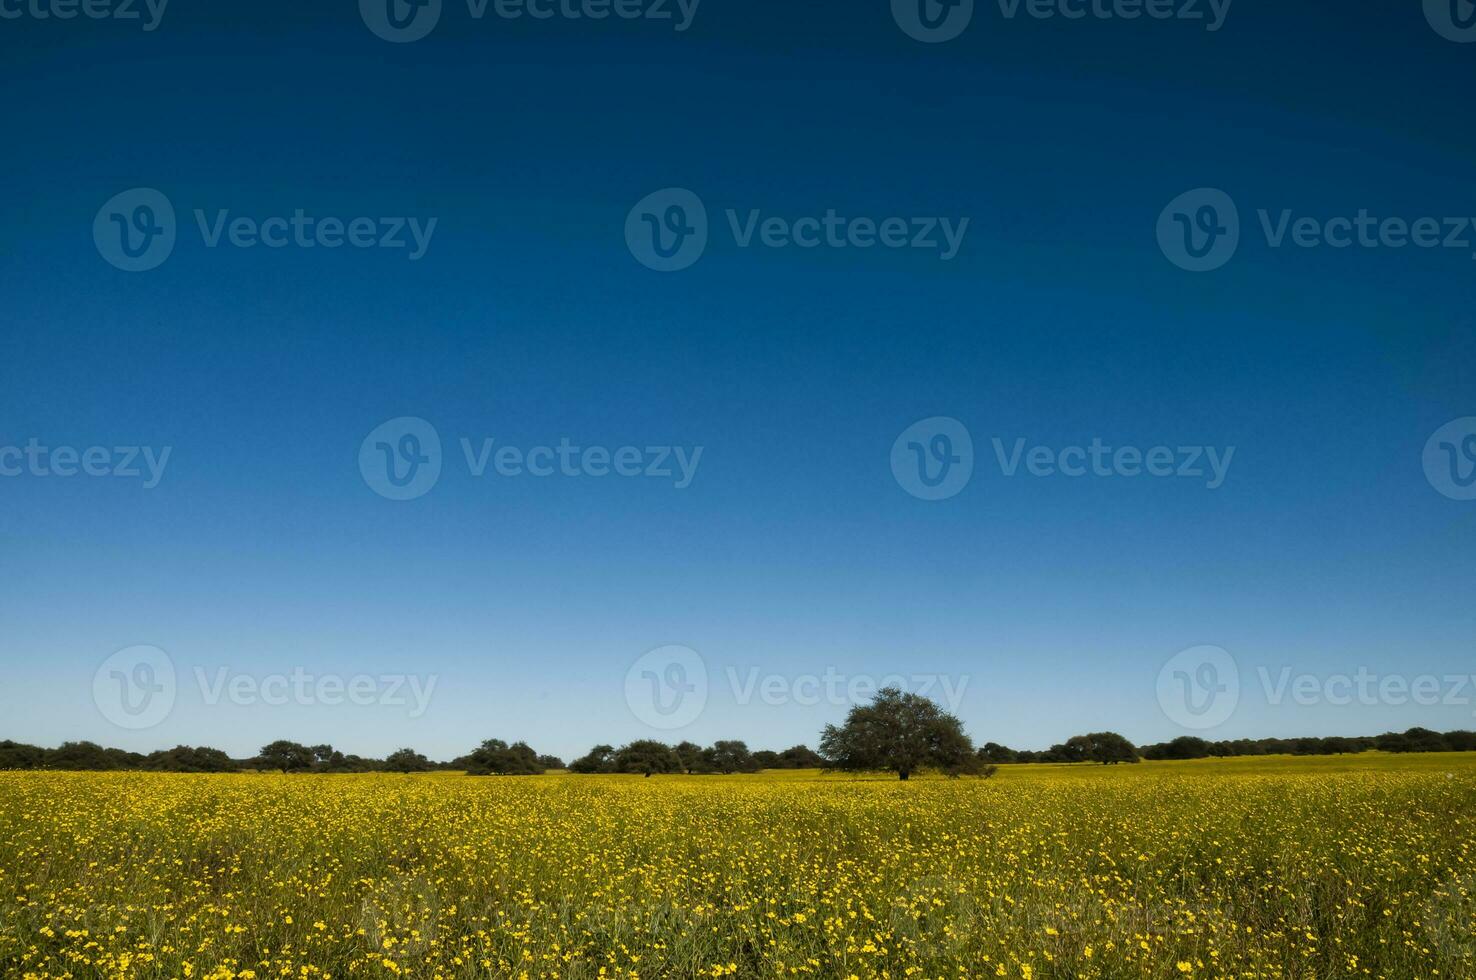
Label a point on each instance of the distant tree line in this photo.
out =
(1108, 747)
(649, 757)
(282, 755)
(897, 732)
(1411, 740)
(88, 756)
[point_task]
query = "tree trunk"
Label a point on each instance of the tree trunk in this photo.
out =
(903, 774)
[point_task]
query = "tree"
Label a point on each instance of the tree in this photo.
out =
(550, 762)
(646, 756)
(1183, 747)
(406, 760)
(1306, 745)
(729, 756)
(800, 757)
(993, 752)
(18, 755)
(601, 758)
(495, 757)
(339, 762)
(1424, 740)
(86, 756)
(185, 758)
(286, 756)
(1064, 752)
(1391, 742)
(898, 732)
(690, 755)
(1108, 748)
(1460, 740)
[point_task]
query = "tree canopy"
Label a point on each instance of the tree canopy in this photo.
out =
(495, 757)
(898, 732)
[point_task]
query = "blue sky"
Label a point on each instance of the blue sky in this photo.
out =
(794, 550)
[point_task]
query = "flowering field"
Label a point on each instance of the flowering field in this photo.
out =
(1347, 867)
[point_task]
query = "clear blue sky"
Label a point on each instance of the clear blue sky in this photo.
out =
(794, 549)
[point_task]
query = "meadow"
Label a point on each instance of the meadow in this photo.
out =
(1357, 866)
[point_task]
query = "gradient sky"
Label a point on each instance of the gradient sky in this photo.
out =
(794, 550)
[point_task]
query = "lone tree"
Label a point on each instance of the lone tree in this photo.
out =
(901, 733)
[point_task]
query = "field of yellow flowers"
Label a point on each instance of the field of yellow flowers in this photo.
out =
(1350, 867)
